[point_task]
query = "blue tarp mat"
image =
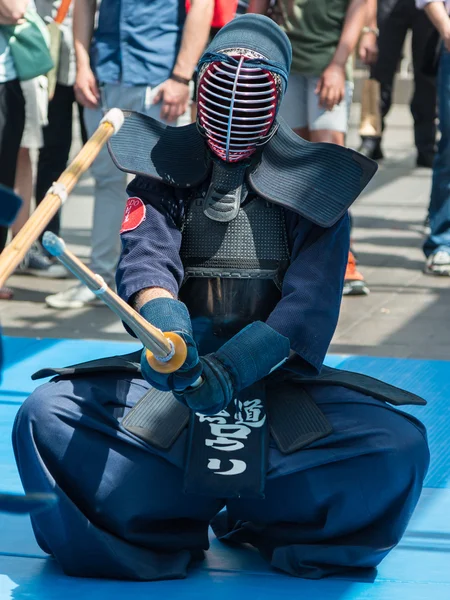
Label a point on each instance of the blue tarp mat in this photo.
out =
(417, 569)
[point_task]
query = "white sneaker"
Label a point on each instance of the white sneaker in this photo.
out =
(55, 271)
(76, 296)
(438, 263)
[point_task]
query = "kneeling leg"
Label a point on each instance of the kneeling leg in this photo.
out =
(347, 503)
(121, 512)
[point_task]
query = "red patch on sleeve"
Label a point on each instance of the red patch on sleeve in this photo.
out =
(134, 214)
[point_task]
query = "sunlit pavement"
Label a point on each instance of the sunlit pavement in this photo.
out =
(405, 315)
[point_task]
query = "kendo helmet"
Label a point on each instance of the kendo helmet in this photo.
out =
(242, 77)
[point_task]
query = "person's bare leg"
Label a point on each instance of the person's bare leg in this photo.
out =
(303, 132)
(193, 111)
(328, 135)
(24, 188)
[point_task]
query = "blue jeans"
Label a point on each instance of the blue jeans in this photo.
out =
(110, 183)
(439, 210)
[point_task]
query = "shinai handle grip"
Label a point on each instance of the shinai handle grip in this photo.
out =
(159, 345)
(176, 362)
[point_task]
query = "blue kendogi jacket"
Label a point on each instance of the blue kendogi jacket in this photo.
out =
(308, 311)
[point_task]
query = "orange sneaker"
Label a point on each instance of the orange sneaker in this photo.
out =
(354, 284)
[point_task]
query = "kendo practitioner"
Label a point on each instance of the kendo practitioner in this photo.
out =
(236, 236)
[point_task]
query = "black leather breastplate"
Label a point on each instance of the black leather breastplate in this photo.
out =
(233, 270)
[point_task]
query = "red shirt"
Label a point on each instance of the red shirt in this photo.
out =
(224, 11)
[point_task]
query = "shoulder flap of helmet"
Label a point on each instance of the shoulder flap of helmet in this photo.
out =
(319, 181)
(174, 155)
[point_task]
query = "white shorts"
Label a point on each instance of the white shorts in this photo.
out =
(36, 111)
(300, 106)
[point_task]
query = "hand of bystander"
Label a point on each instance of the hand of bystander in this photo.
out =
(368, 48)
(12, 11)
(331, 86)
(174, 97)
(86, 88)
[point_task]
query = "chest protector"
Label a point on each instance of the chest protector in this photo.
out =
(233, 270)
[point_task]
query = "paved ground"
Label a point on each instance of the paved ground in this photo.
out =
(406, 314)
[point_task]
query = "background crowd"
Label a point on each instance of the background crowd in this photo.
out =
(141, 55)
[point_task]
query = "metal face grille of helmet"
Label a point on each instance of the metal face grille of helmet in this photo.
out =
(237, 105)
